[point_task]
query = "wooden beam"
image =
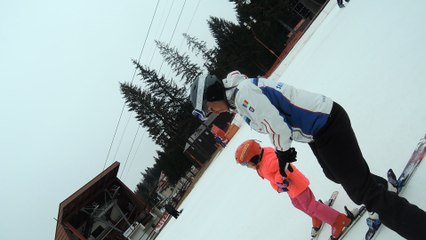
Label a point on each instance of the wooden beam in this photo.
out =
(74, 231)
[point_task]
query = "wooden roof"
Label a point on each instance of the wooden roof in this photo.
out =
(77, 200)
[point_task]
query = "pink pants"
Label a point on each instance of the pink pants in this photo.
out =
(306, 202)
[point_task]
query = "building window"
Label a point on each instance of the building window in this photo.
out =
(97, 231)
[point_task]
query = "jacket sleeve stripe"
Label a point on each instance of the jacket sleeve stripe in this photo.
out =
(275, 136)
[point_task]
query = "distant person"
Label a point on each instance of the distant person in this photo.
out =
(264, 161)
(289, 114)
(341, 4)
(172, 210)
(220, 141)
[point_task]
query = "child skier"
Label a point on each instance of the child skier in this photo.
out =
(264, 160)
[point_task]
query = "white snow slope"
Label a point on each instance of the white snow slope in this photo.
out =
(370, 58)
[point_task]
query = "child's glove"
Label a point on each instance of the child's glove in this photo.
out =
(284, 160)
(283, 186)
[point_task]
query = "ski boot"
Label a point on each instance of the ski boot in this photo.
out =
(316, 227)
(393, 184)
(339, 225)
(343, 222)
(373, 223)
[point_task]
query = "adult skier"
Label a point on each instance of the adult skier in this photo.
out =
(264, 161)
(289, 114)
(172, 210)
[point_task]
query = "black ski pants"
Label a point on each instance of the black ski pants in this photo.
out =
(337, 150)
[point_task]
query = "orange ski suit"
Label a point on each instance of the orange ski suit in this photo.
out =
(299, 192)
(268, 168)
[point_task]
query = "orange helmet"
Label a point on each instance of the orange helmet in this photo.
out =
(247, 150)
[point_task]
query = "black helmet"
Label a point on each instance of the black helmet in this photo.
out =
(205, 88)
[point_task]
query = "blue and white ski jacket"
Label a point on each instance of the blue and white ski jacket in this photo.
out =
(280, 110)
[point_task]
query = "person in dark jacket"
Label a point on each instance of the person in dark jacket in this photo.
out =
(172, 210)
(288, 114)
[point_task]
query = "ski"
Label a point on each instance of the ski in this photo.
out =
(412, 164)
(314, 232)
(407, 173)
(355, 218)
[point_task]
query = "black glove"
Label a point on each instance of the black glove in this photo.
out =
(284, 160)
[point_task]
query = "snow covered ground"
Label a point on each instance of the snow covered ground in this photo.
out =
(369, 57)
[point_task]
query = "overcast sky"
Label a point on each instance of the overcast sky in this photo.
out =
(61, 63)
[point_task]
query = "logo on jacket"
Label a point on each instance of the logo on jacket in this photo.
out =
(280, 85)
(247, 120)
(245, 103)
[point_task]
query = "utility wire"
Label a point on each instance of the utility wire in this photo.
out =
(128, 155)
(122, 136)
(149, 64)
(171, 38)
(134, 156)
(131, 148)
(161, 33)
(187, 30)
(133, 78)
(173, 33)
(174, 29)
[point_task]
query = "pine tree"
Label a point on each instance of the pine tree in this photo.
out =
(165, 110)
(173, 163)
(200, 47)
(175, 100)
(180, 63)
(150, 112)
(238, 49)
